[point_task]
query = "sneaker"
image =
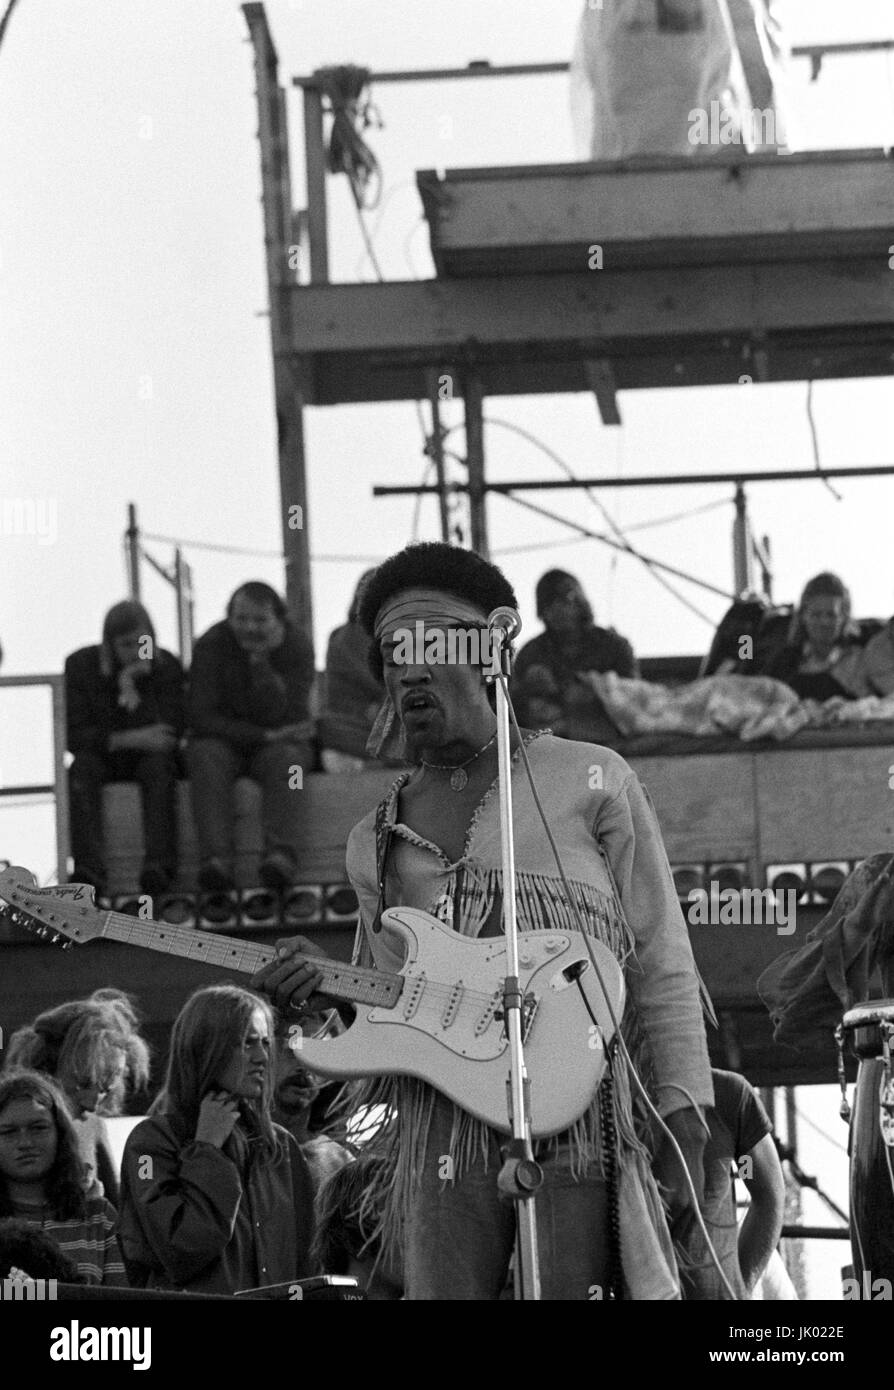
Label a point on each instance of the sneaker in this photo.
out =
(215, 877)
(277, 870)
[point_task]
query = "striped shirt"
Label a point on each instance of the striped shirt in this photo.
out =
(89, 1241)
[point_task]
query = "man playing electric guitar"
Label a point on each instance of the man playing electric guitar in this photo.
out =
(434, 844)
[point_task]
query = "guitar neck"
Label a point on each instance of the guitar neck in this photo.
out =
(355, 983)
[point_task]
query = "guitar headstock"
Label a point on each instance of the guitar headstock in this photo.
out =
(65, 912)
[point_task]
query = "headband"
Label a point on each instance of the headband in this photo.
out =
(431, 606)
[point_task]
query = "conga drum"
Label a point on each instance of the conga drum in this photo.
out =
(870, 1029)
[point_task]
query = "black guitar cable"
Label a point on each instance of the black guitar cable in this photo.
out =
(618, 1039)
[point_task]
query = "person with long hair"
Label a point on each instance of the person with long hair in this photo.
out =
(124, 704)
(352, 695)
(93, 1049)
(215, 1197)
(43, 1182)
(822, 656)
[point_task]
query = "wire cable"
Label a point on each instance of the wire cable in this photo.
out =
(4, 22)
(607, 540)
(823, 1133)
(620, 544)
(787, 1155)
(679, 516)
(814, 439)
(621, 1044)
(600, 507)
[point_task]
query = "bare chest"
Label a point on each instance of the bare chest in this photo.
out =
(441, 815)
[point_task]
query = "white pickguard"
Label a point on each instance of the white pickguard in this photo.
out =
(442, 1028)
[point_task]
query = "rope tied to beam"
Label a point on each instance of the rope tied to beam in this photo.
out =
(347, 88)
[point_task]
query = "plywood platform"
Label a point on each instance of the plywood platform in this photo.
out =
(725, 208)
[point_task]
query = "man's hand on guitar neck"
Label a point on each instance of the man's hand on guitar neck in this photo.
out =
(290, 981)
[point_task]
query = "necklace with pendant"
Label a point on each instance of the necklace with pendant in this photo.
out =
(459, 778)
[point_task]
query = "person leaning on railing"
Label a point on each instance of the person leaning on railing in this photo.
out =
(823, 655)
(250, 685)
(549, 684)
(124, 704)
(352, 696)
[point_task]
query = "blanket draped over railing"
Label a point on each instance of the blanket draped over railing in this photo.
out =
(748, 707)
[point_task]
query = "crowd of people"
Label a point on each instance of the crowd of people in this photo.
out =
(247, 707)
(225, 1185)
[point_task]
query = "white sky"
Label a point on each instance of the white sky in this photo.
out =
(132, 261)
(135, 360)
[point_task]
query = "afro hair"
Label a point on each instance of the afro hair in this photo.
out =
(433, 565)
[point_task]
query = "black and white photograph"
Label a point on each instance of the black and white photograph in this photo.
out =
(446, 674)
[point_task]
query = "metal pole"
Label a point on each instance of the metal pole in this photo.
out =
(437, 451)
(764, 555)
(184, 607)
(794, 1253)
(742, 573)
(132, 546)
(777, 475)
(520, 1175)
(60, 774)
(315, 166)
(483, 68)
(287, 370)
(474, 411)
(189, 615)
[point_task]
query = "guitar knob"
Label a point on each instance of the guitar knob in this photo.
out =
(552, 946)
(526, 960)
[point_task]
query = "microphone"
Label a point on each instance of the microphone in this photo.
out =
(507, 620)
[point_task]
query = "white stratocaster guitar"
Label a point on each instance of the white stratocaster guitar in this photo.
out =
(438, 1018)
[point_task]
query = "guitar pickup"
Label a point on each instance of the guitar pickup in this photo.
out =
(415, 995)
(453, 1003)
(490, 1013)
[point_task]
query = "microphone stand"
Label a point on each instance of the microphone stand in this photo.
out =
(520, 1176)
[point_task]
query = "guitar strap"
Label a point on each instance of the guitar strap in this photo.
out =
(384, 832)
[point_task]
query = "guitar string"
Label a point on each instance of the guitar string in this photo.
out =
(191, 949)
(185, 936)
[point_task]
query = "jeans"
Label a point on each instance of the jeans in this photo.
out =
(157, 776)
(214, 766)
(460, 1236)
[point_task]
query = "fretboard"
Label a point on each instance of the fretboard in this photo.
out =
(356, 983)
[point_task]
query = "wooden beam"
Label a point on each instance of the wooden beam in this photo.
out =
(438, 319)
(432, 381)
(731, 208)
(601, 380)
(315, 166)
(544, 369)
(277, 204)
(474, 415)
